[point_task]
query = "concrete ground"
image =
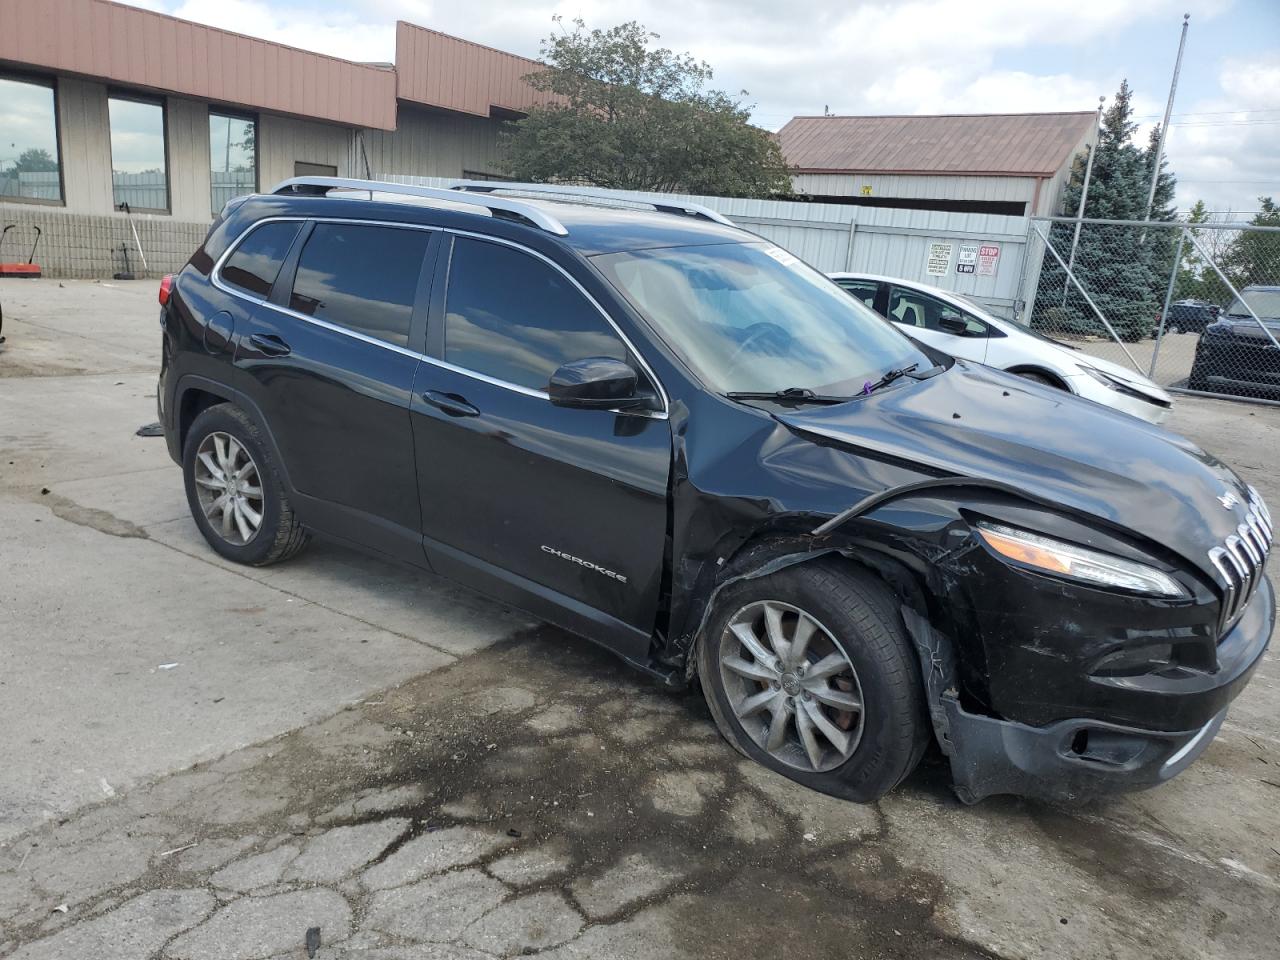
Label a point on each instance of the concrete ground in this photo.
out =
(203, 760)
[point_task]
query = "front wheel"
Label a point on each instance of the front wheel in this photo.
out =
(233, 490)
(1037, 378)
(809, 671)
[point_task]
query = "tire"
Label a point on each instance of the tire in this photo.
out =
(222, 434)
(856, 618)
(1039, 378)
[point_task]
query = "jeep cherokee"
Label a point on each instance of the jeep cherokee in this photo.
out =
(666, 434)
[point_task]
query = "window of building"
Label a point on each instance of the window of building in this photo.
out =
(361, 277)
(30, 167)
(302, 168)
(513, 317)
(256, 262)
(233, 157)
(481, 175)
(139, 154)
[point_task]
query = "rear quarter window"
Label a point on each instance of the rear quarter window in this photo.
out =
(255, 263)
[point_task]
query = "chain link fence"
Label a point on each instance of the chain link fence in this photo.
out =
(1194, 307)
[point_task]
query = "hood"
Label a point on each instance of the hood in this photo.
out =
(1248, 327)
(978, 422)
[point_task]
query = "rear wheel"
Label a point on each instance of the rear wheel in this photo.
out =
(809, 671)
(234, 492)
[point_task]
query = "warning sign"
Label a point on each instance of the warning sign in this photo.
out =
(968, 258)
(939, 259)
(988, 259)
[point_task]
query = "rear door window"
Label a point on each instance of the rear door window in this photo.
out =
(254, 265)
(513, 317)
(363, 278)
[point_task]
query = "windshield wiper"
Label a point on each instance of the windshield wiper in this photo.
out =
(888, 378)
(789, 395)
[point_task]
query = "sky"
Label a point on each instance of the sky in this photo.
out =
(886, 57)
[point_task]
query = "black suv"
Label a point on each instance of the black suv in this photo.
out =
(672, 437)
(1189, 316)
(1240, 353)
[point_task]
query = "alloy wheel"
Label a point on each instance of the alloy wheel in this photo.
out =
(791, 686)
(229, 488)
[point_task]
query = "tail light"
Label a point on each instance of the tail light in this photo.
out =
(166, 288)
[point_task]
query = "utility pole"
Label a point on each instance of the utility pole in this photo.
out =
(1084, 196)
(1164, 127)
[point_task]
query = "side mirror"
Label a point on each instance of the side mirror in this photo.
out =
(954, 325)
(596, 382)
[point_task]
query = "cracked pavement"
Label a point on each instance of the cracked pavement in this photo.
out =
(205, 761)
(538, 798)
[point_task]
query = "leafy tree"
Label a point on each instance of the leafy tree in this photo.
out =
(631, 117)
(1125, 269)
(1197, 280)
(35, 160)
(1254, 256)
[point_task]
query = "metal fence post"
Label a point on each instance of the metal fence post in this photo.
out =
(1088, 299)
(1168, 298)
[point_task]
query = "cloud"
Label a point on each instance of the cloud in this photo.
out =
(1224, 148)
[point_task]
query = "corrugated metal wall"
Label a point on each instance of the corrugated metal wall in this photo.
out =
(427, 142)
(85, 140)
(148, 50)
(896, 243)
(284, 140)
(1012, 189)
(444, 71)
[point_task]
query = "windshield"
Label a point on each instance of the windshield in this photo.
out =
(751, 317)
(1265, 303)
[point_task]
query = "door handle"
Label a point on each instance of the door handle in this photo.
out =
(269, 345)
(451, 403)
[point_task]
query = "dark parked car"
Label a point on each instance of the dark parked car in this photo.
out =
(1241, 355)
(1189, 316)
(670, 436)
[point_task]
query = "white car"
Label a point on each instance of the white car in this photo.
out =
(957, 326)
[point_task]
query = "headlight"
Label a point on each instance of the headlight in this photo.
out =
(1080, 563)
(1106, 379)
(1121, 385)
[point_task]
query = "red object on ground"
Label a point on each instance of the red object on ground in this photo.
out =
(30, 270)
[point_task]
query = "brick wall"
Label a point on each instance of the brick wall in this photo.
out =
(88, 246)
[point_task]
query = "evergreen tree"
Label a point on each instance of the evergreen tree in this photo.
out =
(1125, 269)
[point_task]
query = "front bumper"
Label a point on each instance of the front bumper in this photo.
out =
(1069, 760)
(1084, 757)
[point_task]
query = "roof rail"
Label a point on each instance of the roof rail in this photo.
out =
(675, 206)
(320, 186)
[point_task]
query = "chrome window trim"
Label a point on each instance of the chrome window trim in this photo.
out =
(228, 287)
(215, 277)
